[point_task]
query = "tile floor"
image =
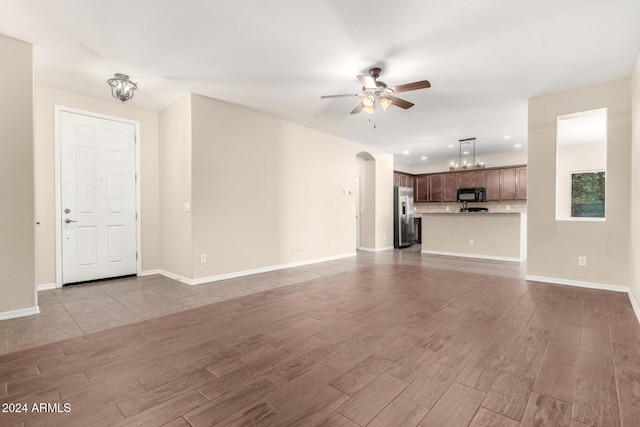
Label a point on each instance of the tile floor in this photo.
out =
(83, 309)
(386, 339)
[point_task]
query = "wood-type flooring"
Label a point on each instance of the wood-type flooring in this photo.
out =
(381, 344)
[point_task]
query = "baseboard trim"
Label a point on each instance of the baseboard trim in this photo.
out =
(150, 272)
(577, 283)
(386, 248)
(23, 312)
(47, 286)
(476, 256)
(242, 273)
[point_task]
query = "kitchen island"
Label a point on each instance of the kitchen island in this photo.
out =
(498, 236)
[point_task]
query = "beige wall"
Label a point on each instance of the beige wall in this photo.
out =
(268, 192)
(175, 188)
(17, 236)
(45, 100)
(514, 157)
(554, 246)
(635, 186)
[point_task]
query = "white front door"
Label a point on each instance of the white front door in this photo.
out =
(98, 197)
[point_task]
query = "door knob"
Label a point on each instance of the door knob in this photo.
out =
(67, 221)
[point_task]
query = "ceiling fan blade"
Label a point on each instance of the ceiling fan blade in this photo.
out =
(423, 84)
(367, 81)
(350, 95)
(400, 102)
(358, 108)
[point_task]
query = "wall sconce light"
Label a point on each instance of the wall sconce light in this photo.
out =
(121, 87)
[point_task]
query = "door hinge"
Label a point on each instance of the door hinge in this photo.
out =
(136, 255)
(136, 216)
(136, 176)
(135, 138)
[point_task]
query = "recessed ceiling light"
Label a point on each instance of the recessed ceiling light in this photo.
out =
(423, 158)
(518, 145)
(405, 152)
(465, 152)
(450, 145)
(507, 137)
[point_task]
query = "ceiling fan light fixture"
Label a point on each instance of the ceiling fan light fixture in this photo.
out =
(121, 87)
(368, 101)
(385, 103)
(368, 110)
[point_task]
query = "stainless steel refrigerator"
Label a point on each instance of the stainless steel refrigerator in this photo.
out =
(404, 230)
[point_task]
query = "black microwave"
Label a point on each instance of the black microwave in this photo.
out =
(472, 194)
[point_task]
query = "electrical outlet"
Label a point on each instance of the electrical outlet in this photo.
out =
(447, 208)
(471, 242)
(508, 207)
(203, 258)
(582, 261)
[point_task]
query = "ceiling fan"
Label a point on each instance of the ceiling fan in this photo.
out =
(373, 89)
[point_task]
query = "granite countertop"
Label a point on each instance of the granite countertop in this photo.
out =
(470, 213)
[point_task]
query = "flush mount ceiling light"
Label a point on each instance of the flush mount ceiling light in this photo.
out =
(121, 87)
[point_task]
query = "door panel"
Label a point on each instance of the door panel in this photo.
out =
(98, 197)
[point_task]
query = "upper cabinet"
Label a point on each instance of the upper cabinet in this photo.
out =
(401, 179)
(508, 183)
(521, 178)
(436, 187)
(421, 189)
(493, 184)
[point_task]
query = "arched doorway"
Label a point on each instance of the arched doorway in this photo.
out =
(365, 201)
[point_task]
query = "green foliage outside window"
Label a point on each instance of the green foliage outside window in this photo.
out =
(588, 194)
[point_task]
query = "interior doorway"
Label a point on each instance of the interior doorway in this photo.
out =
(366, 202)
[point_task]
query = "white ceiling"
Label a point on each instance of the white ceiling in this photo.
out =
(484, 59)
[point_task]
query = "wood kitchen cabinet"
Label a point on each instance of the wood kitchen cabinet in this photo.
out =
(401, 179)
(417, 226)
(464, 180)
(421, 188)
(521, 186)
(451, 185)
(492, 180)
(508, 181)
(478, 179)
(436, 187)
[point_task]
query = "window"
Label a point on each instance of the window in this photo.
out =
(587, 194)
(581, 157)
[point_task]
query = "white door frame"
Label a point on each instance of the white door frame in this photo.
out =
(58, 109)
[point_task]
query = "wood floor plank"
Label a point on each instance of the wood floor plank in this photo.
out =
(556, 381)
(595, 404)
(457, 407)
(350, 338)
(509, 395)
(358, 377)
(400, 412)
(542, 411)
(372, 399)
(486, 418)
(427, 389)
(210, 413)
